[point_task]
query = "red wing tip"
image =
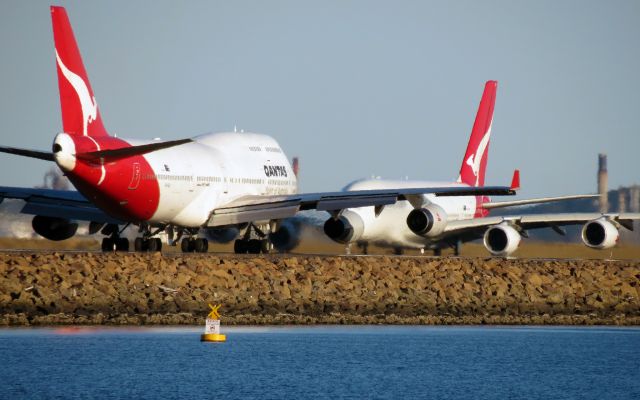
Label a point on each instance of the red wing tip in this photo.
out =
(515, 180)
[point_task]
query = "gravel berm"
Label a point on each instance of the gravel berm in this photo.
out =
(154, 289)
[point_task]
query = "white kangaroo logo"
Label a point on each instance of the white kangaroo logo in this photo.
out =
(88, 103)
(474, 160)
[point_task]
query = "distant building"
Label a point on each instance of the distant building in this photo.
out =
(603, 180)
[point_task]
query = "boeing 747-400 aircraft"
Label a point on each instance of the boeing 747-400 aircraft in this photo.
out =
(238, 184)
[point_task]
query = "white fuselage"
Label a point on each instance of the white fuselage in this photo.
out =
(195, 178)
(389, 228)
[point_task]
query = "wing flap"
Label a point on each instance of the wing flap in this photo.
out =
(332, 204)
(457, 226)
(240, 215)
(515, 203)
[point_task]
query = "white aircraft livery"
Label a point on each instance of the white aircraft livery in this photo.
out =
(223, 186)
(428, 221)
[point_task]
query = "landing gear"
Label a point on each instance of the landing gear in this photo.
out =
(254, 241)
(155, 244)
(437, 252)
(240, 246)
(142, 244)
(201, 245)
(114, 242)
(191, 245)
(364, 247)
(251, 246)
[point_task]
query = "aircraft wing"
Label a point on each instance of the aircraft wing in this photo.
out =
(57, 203)
(258, 208)
(518, 203)
(536, 221)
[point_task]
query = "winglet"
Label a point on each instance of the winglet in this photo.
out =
(515, 180)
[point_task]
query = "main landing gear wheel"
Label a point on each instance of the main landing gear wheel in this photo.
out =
(155, 244)
(251, 246)
(201, 245)
(115, 244)
(147, 244)
(190, 245)
(240, 246)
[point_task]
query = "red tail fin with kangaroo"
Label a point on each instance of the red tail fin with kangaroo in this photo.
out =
(474, 163)
(80, 115)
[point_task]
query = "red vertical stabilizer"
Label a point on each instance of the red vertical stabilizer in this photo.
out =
(474, 162)
(80, 115)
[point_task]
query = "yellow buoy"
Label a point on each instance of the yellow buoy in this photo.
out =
(213, 337)
(212, 327)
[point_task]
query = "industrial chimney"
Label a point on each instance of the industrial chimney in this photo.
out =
(634, 199)
(602, 182)
(622, 200)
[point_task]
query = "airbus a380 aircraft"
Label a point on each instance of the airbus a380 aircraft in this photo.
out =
(223, 183)
(430, 222)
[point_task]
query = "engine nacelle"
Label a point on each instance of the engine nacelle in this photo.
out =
(502, 239)
(346, 229)
(287, 237)
(54, 228)
(429, 221)
(600, 234)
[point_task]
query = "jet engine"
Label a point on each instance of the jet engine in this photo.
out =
(502, 239)
(287, 237)
(347, 228)
(600, 234)
(54, 228)
(429, 221)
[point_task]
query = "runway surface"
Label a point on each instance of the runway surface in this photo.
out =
(177, 254)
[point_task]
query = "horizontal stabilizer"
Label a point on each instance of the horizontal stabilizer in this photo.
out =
(40, 155)
(515, 203)
(117, 154)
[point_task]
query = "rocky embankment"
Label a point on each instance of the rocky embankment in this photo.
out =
(93, 288)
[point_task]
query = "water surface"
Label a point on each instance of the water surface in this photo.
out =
(322, 362)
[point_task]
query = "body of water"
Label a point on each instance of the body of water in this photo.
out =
(322, 362)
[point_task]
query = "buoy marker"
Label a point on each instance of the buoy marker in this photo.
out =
(212, 326)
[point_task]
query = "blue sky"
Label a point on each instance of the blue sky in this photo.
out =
(354, 88)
